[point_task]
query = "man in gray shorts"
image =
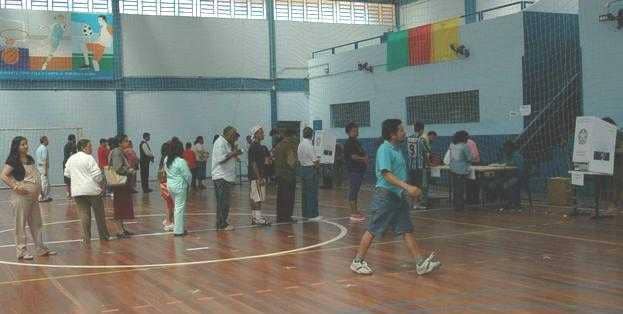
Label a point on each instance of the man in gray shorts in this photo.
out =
(390, 207)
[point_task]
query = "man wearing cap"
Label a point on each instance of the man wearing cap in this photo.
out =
(146, 158)
(256, 173)
(224, 157)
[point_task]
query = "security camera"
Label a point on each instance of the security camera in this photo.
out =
(460, 50)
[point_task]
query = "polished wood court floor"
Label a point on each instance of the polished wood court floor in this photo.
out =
(511, 262)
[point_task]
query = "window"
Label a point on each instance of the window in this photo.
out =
(329, 11)
(325, 11)
(448, 108)
(342, 114)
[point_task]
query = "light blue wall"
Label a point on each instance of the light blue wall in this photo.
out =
(602, 61)
(94, 112)
(495, 68)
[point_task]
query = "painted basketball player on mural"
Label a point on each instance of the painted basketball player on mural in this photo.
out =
(54, 45)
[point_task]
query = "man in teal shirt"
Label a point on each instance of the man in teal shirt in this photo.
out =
(390, 207)
(43, 165)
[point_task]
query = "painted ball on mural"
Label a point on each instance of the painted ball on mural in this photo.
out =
(87, 31)
(10, 55)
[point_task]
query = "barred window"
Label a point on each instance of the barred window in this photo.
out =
(448, 108)
(325, 11)
(358, 112)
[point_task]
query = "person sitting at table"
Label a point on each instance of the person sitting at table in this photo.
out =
(507, 185)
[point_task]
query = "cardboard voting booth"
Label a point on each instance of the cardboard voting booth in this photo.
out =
(324, 145)
(594, 145)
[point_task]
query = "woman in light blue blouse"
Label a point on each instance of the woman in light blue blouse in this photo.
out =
(178, 181)
(460, 162)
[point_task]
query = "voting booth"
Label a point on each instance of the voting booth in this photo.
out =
(324, 146)
(594, 145)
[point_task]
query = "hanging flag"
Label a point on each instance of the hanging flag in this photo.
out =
(397, 50)
(420, 45)
(444, 34)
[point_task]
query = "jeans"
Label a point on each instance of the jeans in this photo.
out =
(309, 192)
(458, 190)
(222, 189)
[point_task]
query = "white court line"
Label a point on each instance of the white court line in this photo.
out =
(199, 248)
(342, 234)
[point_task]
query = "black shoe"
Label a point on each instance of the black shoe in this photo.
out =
(104, 238)
(181, 234)
(128, 233)
(122, 236)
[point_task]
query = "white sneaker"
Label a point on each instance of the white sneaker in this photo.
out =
(168, 228)
(428, 265)
(317, 218)
(361, 268)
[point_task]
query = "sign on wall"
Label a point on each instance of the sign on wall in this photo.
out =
(324, 146)
(56, 45)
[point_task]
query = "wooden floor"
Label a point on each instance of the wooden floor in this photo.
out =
(492, 263)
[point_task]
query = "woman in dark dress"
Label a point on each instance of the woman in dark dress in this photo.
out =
(122, 201)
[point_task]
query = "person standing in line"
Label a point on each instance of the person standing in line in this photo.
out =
(472, 189)
(102, 160)
(285, 172)
(460, 162)
(133, 161)
(257, 176)
(191, 160)
(390, 206)
(122, 202)
(202, 154)
(309, 162)
(178, 181)
(167, 223)
(21, 176)
(43, 166)
(419, 152)
(357, 165)
(68, 150)
(338, 165)
(87, 187)
(146, 158)
(225, 153)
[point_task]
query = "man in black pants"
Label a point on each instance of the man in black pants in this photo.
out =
(146, 158)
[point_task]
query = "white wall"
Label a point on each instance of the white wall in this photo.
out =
(424, 12)
(296, 41)
(293, 106)
(495, 68)
(190, 114)
(92, 111)
(183, 46)
(558, 6)
(602, 45)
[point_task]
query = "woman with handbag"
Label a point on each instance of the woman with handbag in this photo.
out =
(167, 224)
(122, 201)
(178, 182)
(22, 177)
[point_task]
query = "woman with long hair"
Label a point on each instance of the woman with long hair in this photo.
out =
(122, 201)
(167, 224)
(22, 177)
(178, 180)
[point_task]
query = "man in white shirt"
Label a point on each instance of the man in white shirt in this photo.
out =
(225, 154)
(43, 165)
(309, 161)
(86, 187)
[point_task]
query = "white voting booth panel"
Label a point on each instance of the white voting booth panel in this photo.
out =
(324, 145)
(594, 145)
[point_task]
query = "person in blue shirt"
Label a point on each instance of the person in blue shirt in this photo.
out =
(460, 163)
(390, 207)
(43, 165)
(178, 180)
